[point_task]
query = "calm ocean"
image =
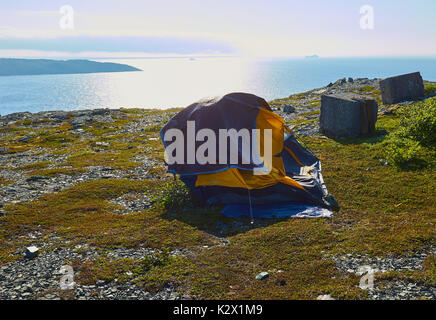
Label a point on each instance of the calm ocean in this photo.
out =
(177, 82)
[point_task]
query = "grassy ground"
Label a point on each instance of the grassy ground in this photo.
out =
(384, 211)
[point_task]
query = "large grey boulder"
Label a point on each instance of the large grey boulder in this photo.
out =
(347, 115)
(404, 87)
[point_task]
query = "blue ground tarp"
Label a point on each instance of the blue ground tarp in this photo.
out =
(280, 210)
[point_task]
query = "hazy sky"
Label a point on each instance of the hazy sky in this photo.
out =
(254, 28)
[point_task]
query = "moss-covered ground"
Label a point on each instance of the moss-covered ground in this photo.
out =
(384, 211)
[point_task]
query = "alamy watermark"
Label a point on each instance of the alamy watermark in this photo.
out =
(243, 149)
(67, 19)
(367, 18)
(367, 279)
(67, 280)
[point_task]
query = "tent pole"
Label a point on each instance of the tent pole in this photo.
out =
(251, 208)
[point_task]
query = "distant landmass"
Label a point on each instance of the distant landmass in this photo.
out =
(312, 56)
(18, 67)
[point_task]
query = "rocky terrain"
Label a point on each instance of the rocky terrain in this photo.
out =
(303, 109)
(49, 154)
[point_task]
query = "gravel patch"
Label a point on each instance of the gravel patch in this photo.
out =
(389, 289)
(39, 278)
(132, 202)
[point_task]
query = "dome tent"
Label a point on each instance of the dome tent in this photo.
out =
(276, 179)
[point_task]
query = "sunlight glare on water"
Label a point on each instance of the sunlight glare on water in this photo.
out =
(176, 82)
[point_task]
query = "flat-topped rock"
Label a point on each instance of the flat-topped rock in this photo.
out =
(31, 252)
(403, 87)
(347, 115)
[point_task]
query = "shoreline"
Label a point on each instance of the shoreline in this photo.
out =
(341, 85)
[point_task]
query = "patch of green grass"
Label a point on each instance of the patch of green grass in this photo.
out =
(293, 99)
(11, 135)
(12, 132)
(311, 113)
(429, 89)
(29, 122)
(298, 122)
(55, 141)
(172, 196)
(154, 128)
(4, 182)
(6, 253)
(175, 271)
(366, 89)
(314, 103)
(15, 149)
(134, 111)
(57, 171)
(301, 95)
(413, 144)
(90, 272)
(103, 268)
(53, 138)
(116, 160)
(157, 172)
